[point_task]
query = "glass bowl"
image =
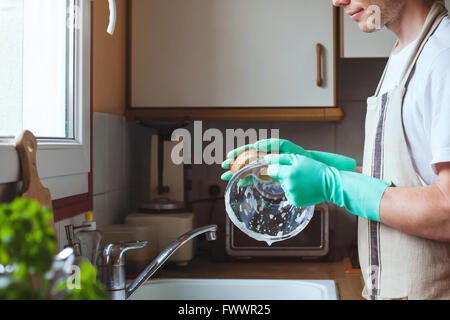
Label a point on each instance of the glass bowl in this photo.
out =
(257, 205)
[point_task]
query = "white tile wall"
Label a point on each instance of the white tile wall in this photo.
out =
(115, 153)
(100, 152)
(111, 173)
(111, 152)
(111, 166)
(101, 211)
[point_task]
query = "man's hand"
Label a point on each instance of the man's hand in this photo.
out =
(308, 182)
(281, 146)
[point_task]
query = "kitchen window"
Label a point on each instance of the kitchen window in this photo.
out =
(45, 88)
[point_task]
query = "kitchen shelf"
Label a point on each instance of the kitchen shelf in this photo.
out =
(235, 114)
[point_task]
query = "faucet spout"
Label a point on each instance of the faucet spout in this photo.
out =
(210, 232)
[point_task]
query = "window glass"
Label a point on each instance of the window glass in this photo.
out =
(37, 68)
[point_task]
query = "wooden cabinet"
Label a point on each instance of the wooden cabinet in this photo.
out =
(231, 54)
(356, 44)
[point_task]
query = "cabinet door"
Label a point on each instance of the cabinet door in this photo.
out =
(357, 44)
(231, 53)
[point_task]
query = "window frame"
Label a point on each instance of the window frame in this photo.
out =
(73, 155)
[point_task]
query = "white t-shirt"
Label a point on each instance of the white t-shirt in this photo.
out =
(426, 108)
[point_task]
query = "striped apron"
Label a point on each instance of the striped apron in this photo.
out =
(396, 265)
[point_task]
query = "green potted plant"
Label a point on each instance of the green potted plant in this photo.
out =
(27, 255)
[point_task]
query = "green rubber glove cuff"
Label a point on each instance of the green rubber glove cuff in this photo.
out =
(338, 161)
(359, 194)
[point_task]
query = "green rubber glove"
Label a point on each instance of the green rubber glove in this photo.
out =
(282, 146)
(308, 182)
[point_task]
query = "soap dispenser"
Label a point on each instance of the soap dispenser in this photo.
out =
(89, 238)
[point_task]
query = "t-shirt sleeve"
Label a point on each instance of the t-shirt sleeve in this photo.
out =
(438, 91)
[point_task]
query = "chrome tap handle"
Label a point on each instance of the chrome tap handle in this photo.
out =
(113, 266)
(114, 253)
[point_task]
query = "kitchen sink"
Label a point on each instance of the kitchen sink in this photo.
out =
(236, 289)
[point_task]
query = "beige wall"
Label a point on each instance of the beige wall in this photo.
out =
(109, 59)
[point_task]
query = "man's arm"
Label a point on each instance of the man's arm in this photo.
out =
(422, 211)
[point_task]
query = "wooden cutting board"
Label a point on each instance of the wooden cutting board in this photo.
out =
(32, 187)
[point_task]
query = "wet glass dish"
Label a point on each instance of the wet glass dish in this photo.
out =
(257, 205)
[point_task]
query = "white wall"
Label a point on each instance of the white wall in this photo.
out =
(121, 171)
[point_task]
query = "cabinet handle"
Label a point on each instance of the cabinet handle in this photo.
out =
(112, 17)
(319, 64)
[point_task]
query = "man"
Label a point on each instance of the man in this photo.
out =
(403, 195)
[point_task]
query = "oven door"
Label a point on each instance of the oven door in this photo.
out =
(313, 241)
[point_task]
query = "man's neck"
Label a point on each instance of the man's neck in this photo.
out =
(408, 25)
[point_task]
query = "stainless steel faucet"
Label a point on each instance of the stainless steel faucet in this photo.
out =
(113, 262)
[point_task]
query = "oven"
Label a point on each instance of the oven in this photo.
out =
(312, 242)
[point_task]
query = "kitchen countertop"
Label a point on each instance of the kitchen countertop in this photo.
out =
(349, 285)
